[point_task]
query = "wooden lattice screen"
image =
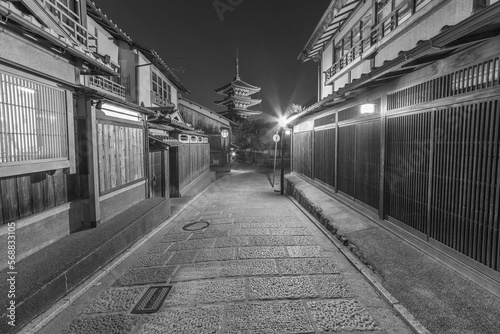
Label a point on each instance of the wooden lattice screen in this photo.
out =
(324, 156)
(33, 121)
(466, 180)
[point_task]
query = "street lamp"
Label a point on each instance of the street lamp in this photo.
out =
(283, 124)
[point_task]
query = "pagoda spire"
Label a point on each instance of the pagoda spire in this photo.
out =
(237, 65)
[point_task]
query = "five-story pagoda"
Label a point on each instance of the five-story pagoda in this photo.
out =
(237, 97)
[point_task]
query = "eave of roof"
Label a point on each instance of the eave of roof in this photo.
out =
(336, 14)
(30, 23)
(108, 24)
(237, 83)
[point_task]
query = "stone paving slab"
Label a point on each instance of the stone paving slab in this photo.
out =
(192, 244)
(249, 231)
(333, 286)
(115, 300)
(274, 240)
(284, 317)
(152, 259)
(217, 254)
(307, 266)
(169, 237)
(159, 247)
(305, 251)
(197, 271)
(196, 292)
(219, 221)
(290, 231)
(183, 257)
(282, 288)
(341, 315)
(148, 275)
(284, 219)
(207, 319)
(249, 268)
(261, 252)
(102, 324)
(239, 241)
(210, 233)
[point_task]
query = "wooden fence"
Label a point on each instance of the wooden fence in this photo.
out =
(121, 155)
(187, 162)
(24, 195)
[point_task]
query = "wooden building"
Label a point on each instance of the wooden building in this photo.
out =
(212, 124)
(75, 96)
(407, 123)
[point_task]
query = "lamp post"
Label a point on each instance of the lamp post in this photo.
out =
(283, 124)
(282, 180)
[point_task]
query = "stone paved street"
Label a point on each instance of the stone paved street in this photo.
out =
(261, 266)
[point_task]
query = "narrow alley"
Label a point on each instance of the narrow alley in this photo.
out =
(239, 258)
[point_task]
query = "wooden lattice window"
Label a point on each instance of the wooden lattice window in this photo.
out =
(33, 126)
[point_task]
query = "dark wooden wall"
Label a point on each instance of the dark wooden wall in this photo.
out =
(121, 155)
(302, 153)
(187, 162)
(24, 195)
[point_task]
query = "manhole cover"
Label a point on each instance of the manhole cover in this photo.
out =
(152, 299)
(196, 226)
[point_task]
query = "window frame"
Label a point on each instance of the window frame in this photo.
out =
(27, 166)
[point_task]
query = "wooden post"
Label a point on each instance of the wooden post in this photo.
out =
(383, 120)
(93, 159)
(336, 151)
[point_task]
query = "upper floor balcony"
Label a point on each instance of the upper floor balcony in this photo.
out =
(107, 85)
(70, 20)
(386, 27)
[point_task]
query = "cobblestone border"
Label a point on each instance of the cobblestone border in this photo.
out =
(354, 255)
(317, 213)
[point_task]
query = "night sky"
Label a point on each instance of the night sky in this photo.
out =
(191, 34)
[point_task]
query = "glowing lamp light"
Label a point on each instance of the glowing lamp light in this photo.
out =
(283, 121)
(115, 111)
(287, 132)
(367, 108)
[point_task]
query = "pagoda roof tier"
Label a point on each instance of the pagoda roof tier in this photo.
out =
(238, 100)
(239, 112)
(237, 84)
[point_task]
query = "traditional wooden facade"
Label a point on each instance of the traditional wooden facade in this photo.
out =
(75, 96)
(212, 124)
(407, 123)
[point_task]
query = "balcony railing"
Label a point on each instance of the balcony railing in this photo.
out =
(68, 19)
(399, 15)
(108, 85)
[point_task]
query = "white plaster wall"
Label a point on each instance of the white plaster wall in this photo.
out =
(326, 63)
(144, 81)
(32, 57)
(450, 14)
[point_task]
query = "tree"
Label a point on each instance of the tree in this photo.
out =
(293, 109)
(243, 133)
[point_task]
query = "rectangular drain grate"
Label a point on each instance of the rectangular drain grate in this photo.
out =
(152, 299)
